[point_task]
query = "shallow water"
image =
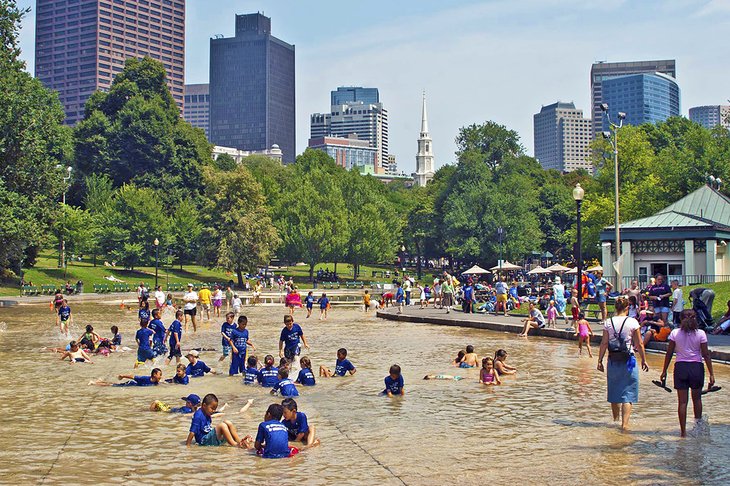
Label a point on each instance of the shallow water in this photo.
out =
(548, 424)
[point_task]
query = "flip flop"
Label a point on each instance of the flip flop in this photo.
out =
(662, 384)
(714, 388)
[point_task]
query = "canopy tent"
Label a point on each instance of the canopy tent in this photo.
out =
(476, 270)
(506, 266)
(538, 270)
(572, 271)
(557, 268)
(594, 268)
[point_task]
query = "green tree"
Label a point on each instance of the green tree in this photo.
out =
(491, 142)
(32, 141)
(225, 163)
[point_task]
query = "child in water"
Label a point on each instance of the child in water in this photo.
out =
(297, 424)
(584, 332)
(470, 359)
(342, 366)
(442, 377)
(202, 430)
(499, 363)
(324, 305)
(134, 380)
(285, 387)
(268, 376)
(180, 378)
(306, 376)
(192, 404)
(252, 372)
(89, 339)
(63, 319)
(488, 375)
(272, 438)
(75, 354)
(309, 302)
(394, 382)
(552, 315)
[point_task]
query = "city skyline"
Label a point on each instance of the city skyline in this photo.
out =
(477, 61)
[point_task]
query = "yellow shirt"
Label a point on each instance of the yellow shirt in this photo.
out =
(366, 299)
(204, 296)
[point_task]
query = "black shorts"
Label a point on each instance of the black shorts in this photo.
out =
(174, 353)
(289, 353)
(689, 375)
(191, 312)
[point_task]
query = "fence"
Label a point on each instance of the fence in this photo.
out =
(682, 279)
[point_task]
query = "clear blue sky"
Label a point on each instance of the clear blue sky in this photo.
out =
(477, 60)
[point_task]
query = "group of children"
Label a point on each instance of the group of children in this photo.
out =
(491, 370)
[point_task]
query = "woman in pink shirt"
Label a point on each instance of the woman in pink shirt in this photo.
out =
(690, 345)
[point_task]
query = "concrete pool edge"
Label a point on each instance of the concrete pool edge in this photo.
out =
(720, 351)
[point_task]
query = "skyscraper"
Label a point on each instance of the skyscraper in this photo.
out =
(197, 106)
(347, 94)
(562, 138)
(711, 116)
(369, 121)
(252, 100)
(601, 71)
(424, 158)
(645, 98)
(82, 44)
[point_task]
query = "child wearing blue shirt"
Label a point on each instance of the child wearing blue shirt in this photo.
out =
(158, 339)
(285, 387)
(394, 382)
(144, 311)
(192, 404)
(309, 302)
(306, 377)
(203, 431)
(268, 376)
(134, 380)
(342, 366)
(252, 372)
(239, 341)
(399, 297)
(226, 330)
(174, 334)
(181, 377)
(296, 423)
(196, 367)
(323, 306)
(63, 319)
(272, 438)
(289, 339)
(116, 340)
(144, 343)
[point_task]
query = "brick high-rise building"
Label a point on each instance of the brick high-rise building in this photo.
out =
(82, 44)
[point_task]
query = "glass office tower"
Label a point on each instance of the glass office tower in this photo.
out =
(645, 98)
(348, 94)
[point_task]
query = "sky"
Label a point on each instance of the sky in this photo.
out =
(477, 60)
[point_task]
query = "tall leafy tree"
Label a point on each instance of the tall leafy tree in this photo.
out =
(490, 142)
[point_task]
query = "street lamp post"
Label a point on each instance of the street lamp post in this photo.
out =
(157, 258)
(62, 250)
(612, 137)
(578, 194)
(500, 233)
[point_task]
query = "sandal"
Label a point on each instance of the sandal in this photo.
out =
(662, 384)
(713, 388)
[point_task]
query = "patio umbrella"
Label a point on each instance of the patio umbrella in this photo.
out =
(557, 268)
(595, 268)
(506, 266)
(572, 271)
(538, 270)
(476, 270)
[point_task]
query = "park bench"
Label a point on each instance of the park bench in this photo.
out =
(354, 285)
(101, 288)
(121, 288)
(48, 289)
(29, 290)
(586, 311)
(330, 285)
(174, 287)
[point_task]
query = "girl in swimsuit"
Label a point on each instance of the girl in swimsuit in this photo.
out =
(583, 332)
(499, 363)
(488, 375)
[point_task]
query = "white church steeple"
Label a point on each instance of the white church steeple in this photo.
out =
(424, 158)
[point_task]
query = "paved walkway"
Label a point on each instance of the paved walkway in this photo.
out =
(719, 345)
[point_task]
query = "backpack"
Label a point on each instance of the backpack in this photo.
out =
(618, 348)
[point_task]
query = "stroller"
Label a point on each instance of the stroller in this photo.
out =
(702, 305)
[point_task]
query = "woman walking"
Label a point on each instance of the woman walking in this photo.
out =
(621, 338)
(690, 344)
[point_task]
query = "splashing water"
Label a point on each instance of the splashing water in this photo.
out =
(3, 326)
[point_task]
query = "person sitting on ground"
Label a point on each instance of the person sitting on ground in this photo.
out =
(268, 376)
(272, 438)
(89, 339)
(306, 376)
(488, 375)
(285, 387)
(202, 430)
(470, 359)
(500, 358)
(394, 382)
(297, 424)
(75, 354)
(192, 404)
(535, 320)
(723, 325)
(252, 372)
(657, 330)
(342, 366)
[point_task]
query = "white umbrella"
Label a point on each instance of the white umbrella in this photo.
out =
(538, 270)
(572, 271)
(557, 268)
(506, 266)
(476, 270)
(595, 268)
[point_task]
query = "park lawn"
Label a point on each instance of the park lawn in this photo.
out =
(46, 272)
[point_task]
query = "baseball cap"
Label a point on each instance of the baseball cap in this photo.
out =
(193, 352)
(192, 398)
(190, 285)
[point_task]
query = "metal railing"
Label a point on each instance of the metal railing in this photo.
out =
(682, 279)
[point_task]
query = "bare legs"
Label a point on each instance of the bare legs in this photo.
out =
(624, 409)
(226, 430)
(683, 399)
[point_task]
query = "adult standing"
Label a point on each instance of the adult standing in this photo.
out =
(634, 290)
(603, 287)
(659, 296)
(559, 298)
(690, 343)
(447, 294)
(501, 289)
(190, 308)
(677, 303)
(142, 293)
(205, 297)
(229, 296)
(159, 297)
(407, 289)
(622, 340)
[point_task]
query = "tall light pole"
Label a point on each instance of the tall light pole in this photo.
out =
(578, 194)
(157, 258)
(612, 137)
(500, 233)
(62, 250)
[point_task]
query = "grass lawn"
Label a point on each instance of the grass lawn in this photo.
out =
(46, 272)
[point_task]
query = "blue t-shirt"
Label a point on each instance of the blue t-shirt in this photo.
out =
(393, 386)
(251, 376)
(178, 380)
(275, 437)
(240, 338)
(197, 369)
(309, 301)
(399, 295)
(226, 330)
(268, 377)
(342, 367)
(181, 410)
(323, 301)
(291, 337)
(306, 377)
(159, 329)
(298, 426)
(200, 425)
(286, 388)
(138, 381)
(143, 336)
(601, 286)
(468, 293)
(175, 328)
(117, 340)
(64, 312)
(513, 292)
(144, 314)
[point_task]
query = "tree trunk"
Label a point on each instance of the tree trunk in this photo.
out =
(240, 278)
(94, 259)
(335, 268)
(311, 272)
(418, 260)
